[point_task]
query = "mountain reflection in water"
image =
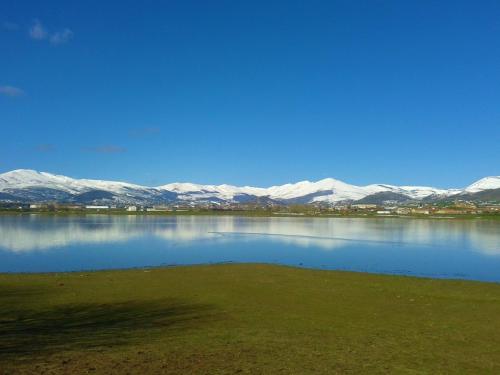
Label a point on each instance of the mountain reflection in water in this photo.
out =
(367, 243)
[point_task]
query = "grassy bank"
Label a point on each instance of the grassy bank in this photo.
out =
(255, 319)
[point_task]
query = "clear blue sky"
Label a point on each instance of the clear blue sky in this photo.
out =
(252, 92)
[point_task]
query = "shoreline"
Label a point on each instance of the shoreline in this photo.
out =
(242, 213)
(246, 264)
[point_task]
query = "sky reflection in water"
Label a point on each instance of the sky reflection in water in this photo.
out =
(436, 248)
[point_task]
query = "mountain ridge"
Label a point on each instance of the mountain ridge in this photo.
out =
(32, 185)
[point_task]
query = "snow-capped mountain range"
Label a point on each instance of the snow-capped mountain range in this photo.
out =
(24, 185)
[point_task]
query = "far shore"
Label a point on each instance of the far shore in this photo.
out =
(247, 213)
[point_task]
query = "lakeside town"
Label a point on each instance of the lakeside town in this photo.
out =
(458, 207)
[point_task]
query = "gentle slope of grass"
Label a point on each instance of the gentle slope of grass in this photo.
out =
(255, 319)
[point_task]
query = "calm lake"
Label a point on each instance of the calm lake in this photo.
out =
(443, 248)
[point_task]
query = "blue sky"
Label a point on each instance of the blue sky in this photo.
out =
(252, 92)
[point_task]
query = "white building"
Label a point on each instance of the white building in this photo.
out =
(97, 207)
(364, 206)
(132, 208)
(158, 209)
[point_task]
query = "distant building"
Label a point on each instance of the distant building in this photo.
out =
(421, 211)
(403, 210)
(162, 208)
(451, 211)
(37, 206)
(383, 212)
(132, 208)
(491, 208)
(97, 207)
(364, 206)
(157, 209)
(464, 204)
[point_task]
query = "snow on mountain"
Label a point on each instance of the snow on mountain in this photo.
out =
(302, 188)
(28, 184)
(189, 191)
(24, 178)
(326, 190)
(486, 183)
(420, 192)
(336, 191)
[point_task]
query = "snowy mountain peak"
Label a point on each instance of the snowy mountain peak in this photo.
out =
(28, 177)
(183, 187)
(23, 178)
(486, 183)
(24, 174)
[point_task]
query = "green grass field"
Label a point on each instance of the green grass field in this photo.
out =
(253, 319)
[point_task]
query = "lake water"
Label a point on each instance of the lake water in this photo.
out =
(465, 249)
